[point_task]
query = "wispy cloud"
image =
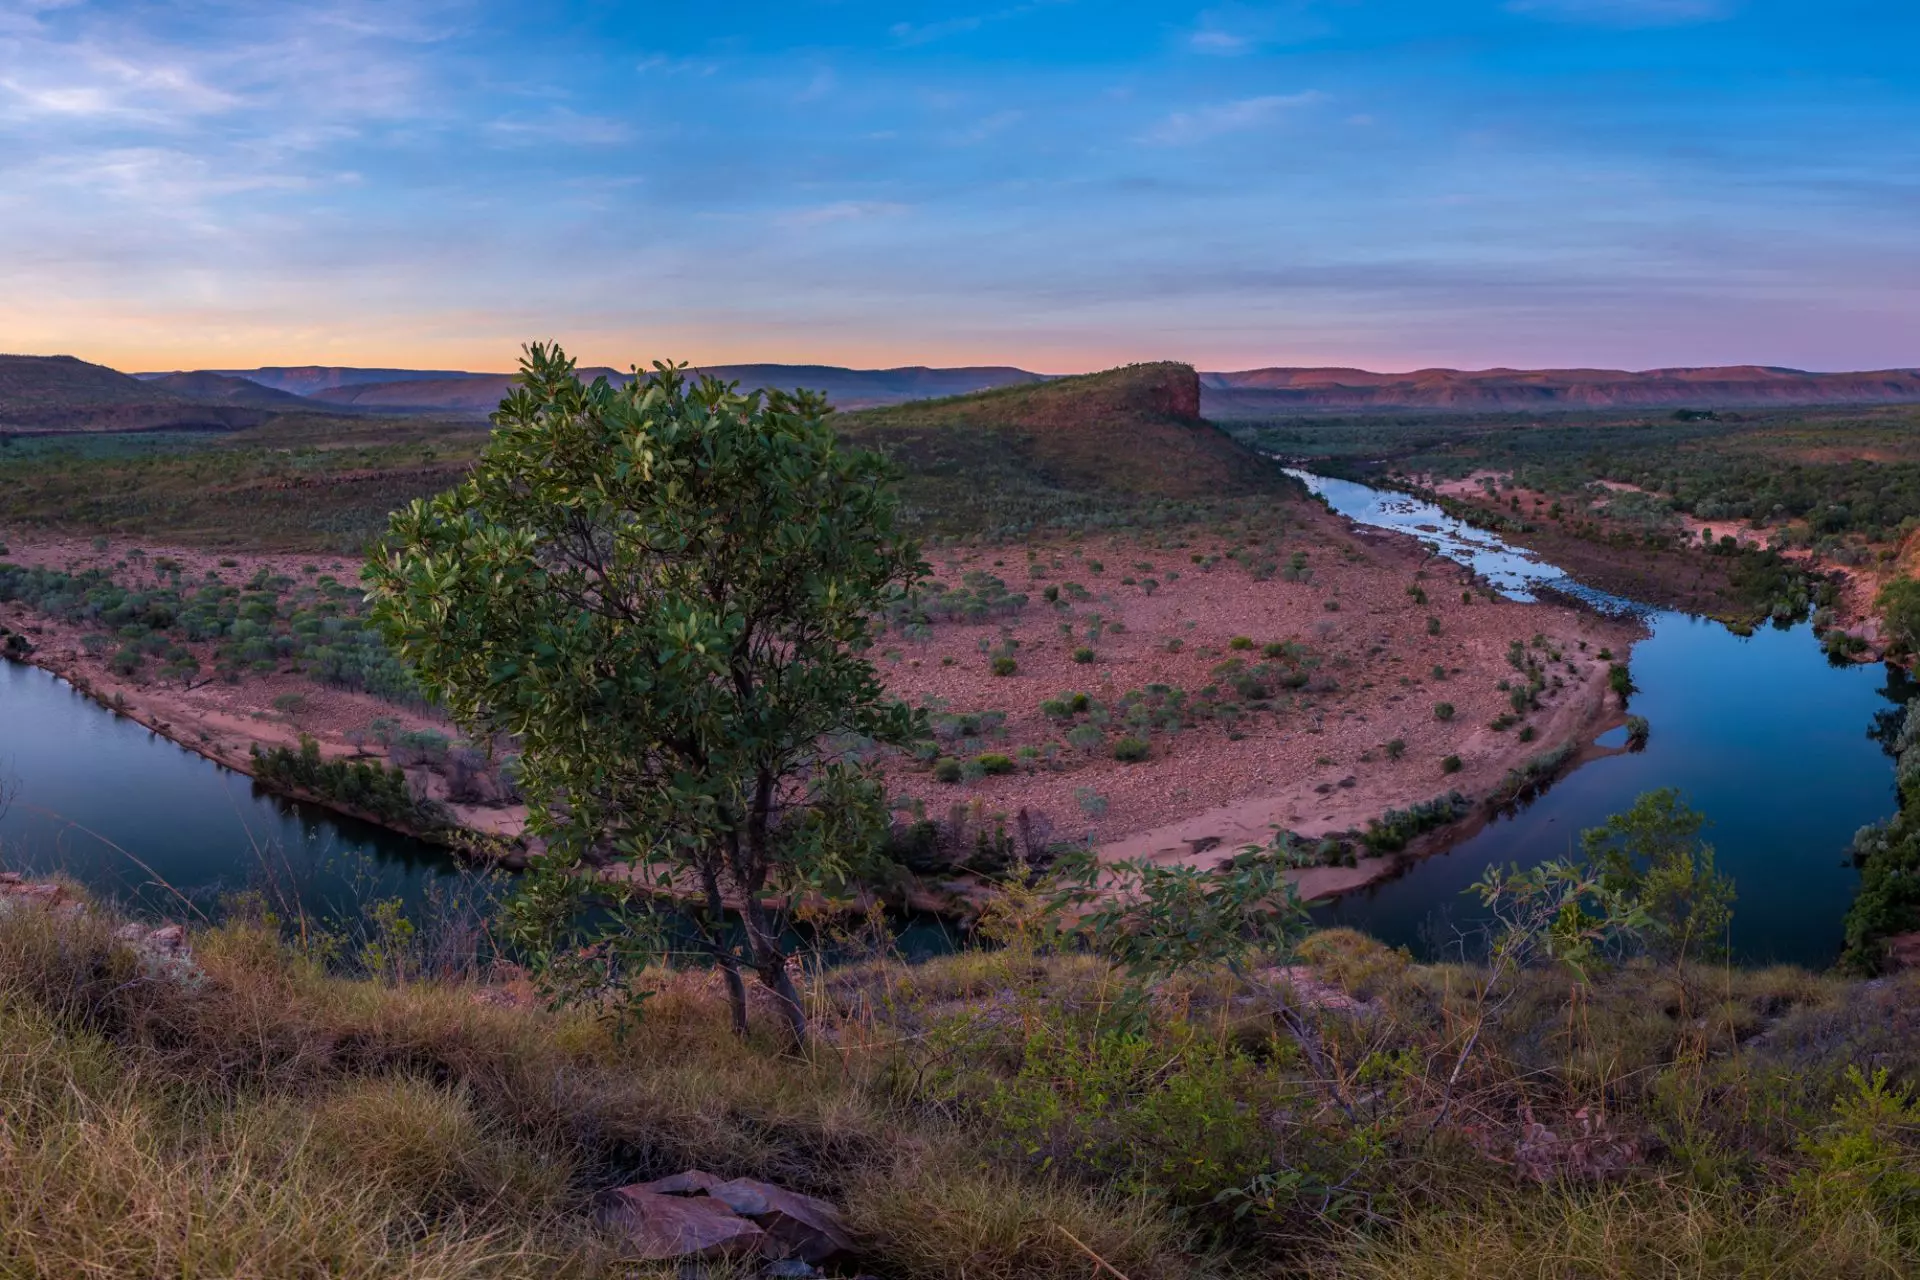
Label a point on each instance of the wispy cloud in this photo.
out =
(987, 128)
(560, 125)
(909, 33)
(1184, 128)
(661, 64)
(927, 32)
(841, 211)
(1233, 29)
(1627, 13)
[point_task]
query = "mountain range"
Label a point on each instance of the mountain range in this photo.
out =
(1247, 393)
(61, 393)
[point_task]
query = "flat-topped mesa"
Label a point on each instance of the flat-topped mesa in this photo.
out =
(1252, 393)
(1134, 433)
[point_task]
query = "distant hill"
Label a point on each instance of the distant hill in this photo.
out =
(221, 388)
(1257, 393)
(309, 379)
(60, 393)
(1064, 452)
(478, 394)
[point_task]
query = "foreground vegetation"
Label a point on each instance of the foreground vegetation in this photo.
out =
(305, 1110)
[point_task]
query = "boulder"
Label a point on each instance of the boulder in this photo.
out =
(797, 1226)
(1903, 951)
(693, 1182)
(662, 1228)
(791, 1226)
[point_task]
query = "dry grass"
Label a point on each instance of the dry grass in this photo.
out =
(272, 1120)
(994, 1116)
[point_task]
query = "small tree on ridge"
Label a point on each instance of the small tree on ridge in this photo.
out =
(665, 591)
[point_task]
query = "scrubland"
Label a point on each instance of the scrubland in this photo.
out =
(392, 1109)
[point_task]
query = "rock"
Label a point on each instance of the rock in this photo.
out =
(662, 1227)
(168, 940)
(1903, 950)
(797, 1226)
(692, 1182)
(793, 1226)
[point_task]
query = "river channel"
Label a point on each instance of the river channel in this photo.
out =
(133, 816)
(1776, 746)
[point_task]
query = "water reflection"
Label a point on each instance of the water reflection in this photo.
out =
(1760, 733)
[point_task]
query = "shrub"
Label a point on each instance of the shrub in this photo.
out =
(1620, 680)
(947, 769)
(1450, 764)
(1131, 750)
(1392, 830)
(1396, 748)
(1240, 643)
(1433, 626)
(1083, 655)
(993, 763)
(1443, 711)
(1005, 666)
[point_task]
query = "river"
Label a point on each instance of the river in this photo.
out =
(1759, 732)
(1774, 744)
(137, 818)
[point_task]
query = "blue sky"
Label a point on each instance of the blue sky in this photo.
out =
(1056, 184)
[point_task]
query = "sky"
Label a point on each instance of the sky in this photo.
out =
(1056, 184)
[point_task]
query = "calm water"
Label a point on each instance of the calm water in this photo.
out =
(151, 824)
(98, 795)
(1773, 744)
(1759, 733)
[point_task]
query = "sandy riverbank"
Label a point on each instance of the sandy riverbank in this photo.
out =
(1158, 611)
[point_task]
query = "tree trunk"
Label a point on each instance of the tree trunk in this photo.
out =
(770, 966)
(722, 953)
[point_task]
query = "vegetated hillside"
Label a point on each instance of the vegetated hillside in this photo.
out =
(1102, 448)
(308, 379)
(1257, 393)
(61, 393)
(220, 388)
(302, 481)
(478, 394)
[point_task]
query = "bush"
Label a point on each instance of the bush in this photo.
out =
(1005, 666)
(1083, 655)
(1443, 711)
(1450, 764)
(1131, 750)
(993, 763)
(360, 785)
(1396, 748)
(947, 769)
(1391, 831)
(1240, 643)
(1087, 737)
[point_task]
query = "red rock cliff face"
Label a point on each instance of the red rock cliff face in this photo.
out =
(1178, 392)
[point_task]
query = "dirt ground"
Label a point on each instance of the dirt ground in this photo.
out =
(1167, 611)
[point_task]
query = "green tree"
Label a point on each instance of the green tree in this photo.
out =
(1653, 855)
(1899, 604)
(665, 591)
